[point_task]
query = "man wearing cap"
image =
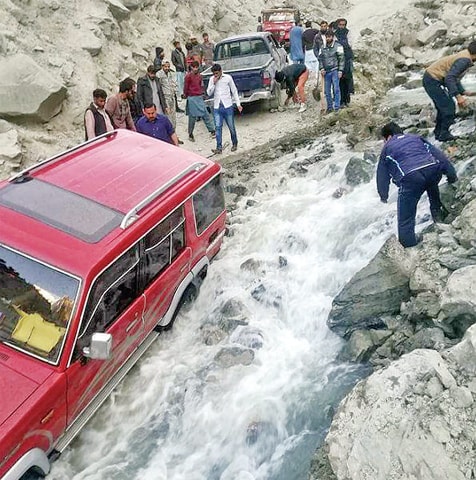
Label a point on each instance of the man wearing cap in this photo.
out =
(223, 89)
(150, 92)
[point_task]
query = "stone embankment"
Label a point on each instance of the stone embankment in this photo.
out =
(411, 313)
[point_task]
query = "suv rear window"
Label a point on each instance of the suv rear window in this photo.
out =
(67, 211)
(208, 204)
(36, 305)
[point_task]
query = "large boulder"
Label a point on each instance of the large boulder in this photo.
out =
(374, 292)
(458, 301)
(412, 420)
(27, 91)
(465, 225)
(432, 32)
(360, 169)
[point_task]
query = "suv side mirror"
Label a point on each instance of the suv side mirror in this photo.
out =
(100, 347)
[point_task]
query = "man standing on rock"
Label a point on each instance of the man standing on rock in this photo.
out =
(442, 82)
(117, 106)
(415, 166)
(178, 59)
(346, 83)
(223, 89)
(96, 119)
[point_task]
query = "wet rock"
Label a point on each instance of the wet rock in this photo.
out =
(230, 356)
(298, 168)
(247, 336)
(212, 334)
(233, 314)
(400, 78)
(359, 170)
(282, 262)
(45, 94)
(362, 344)
(252, 265)
(413, 83)
(294, 243)
(262, 295)
(375, 291)
(431, 338)
(239, 190)
(320, 468)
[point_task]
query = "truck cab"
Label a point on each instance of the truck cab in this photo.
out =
(99, 248)
(279, 21)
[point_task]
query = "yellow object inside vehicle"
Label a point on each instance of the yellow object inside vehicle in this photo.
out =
(36, 332)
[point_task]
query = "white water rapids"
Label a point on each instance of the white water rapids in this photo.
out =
(180, 414)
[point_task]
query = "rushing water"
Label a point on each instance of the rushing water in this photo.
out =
(185, 413)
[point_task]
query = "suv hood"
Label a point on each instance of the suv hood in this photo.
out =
(15, 388)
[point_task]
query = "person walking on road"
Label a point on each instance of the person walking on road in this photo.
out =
(223, 89)
(442, 83)
(415, 166)
(193, 91)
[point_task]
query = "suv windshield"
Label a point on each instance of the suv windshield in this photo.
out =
(36, 304)
(279, 17)
(241, 48)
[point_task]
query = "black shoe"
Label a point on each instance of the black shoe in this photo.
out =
(217, 151)
(180, 142)
(191, 137)
(213, 134)
(179, 110)
(234, 147)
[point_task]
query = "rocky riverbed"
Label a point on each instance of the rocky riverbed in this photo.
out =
(409, 313)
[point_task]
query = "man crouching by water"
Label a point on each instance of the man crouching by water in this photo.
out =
(415, 166)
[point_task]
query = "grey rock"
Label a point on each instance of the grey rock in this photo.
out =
(91, 43)
(431, 32)
(464, 353)
(413, 83)
(432, 338)
(465, 225)
(359, 171)
(362, 344)
(230, 356)
(400, 78)
(118, 10)
(20, 74)
(10, 148)
(376, 290)
(212, 334)
(462, 397)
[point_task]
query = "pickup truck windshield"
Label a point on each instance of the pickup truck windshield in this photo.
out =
(36, 304)
(241, 48)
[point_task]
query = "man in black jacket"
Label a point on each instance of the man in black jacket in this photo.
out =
(150, 92)
(346, 82)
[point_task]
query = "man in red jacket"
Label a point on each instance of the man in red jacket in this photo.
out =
(193, 91)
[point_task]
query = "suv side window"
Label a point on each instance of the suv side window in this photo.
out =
(112, 292)
(208, 203)
(163, 244)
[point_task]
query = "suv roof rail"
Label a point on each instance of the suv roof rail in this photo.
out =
(131, 216)
(27, 170)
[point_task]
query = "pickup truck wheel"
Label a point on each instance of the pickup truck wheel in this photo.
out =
(275, 102)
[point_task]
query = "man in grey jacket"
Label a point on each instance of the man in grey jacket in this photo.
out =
(331, 65)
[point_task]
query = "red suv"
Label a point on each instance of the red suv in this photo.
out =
(99, 248)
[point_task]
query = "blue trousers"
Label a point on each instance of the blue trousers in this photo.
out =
(445, 106)
(221, 114)
(411, 189)
(331, 83)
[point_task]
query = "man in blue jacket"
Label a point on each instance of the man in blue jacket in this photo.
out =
(415, 166)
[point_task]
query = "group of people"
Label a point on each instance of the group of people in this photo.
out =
(150, 105)
(325, 52)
